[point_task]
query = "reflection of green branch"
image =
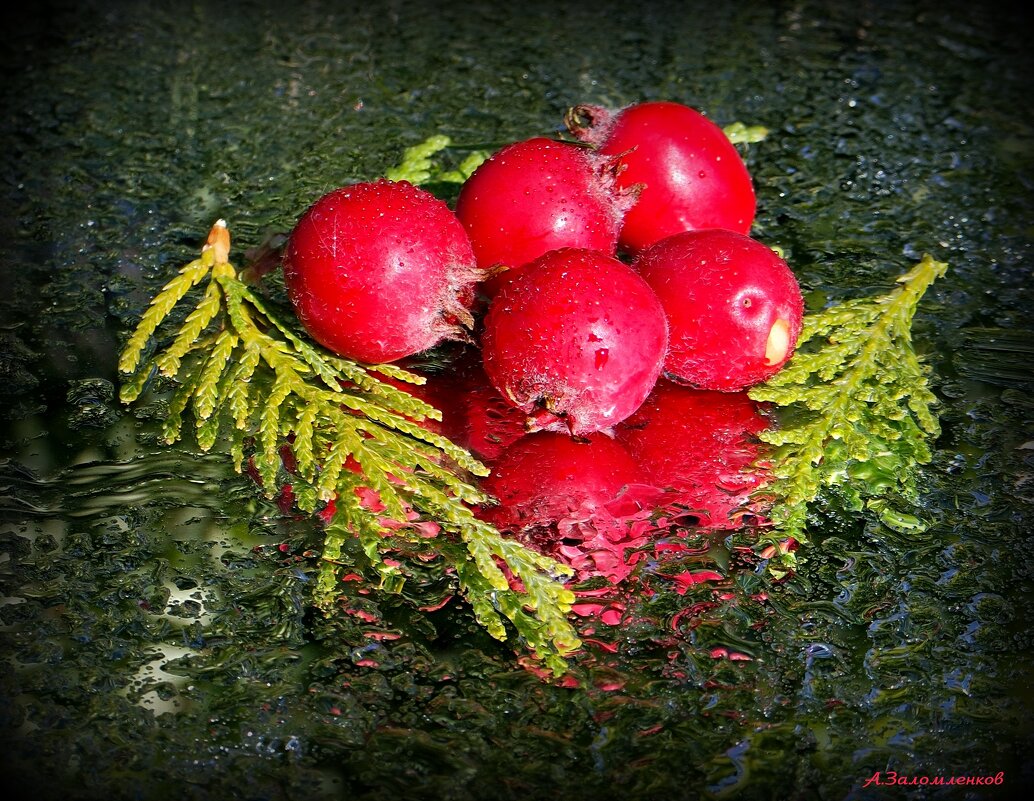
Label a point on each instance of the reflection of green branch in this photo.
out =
(858, 410)
(246, 375)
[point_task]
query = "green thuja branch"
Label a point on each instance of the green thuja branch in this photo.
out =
(249, 378)
(857, 412)
(740, 134)
(417, 166)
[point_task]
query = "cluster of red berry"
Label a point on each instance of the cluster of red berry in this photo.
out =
(589, 273)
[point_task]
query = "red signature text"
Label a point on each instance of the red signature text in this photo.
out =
(892, 777)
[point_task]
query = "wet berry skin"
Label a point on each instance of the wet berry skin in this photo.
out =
(381, 270)
(575, 339)
(734, 307)
(535, 196)
(688, 175)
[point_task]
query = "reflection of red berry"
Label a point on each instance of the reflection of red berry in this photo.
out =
(479, 418)
(688, 174)
(546, 476)
(436, 391)
(734, 307)
(699, 445)
(575, 336)
(378, 271)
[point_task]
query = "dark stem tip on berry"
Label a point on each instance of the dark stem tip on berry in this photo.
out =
(587, 123)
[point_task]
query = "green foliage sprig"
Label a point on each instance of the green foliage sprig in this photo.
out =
(418, 167)
(740, 134)
(857, 412)
(248, 377)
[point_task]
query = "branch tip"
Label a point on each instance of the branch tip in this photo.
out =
(219, 242)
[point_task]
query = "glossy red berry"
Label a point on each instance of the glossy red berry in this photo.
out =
(734, 307)
(689, 175)
(576, 338)
(535, 196)
(377, 271)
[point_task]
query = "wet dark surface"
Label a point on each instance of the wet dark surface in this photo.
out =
(156, 638)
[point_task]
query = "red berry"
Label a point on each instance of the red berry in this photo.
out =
(734, 307)
(535, 196)
(546, 477)
(697, 444)
(575, 336)
(378, 271)
(690, 174)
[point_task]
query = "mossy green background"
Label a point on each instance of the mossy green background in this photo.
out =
(896, 129)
